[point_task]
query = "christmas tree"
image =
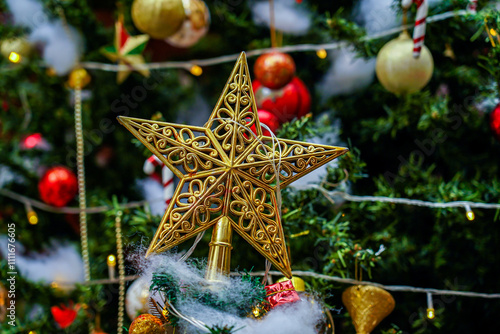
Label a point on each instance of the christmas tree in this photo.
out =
(232, 187)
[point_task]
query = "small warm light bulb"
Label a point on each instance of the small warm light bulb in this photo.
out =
(469, 213)
(32, 217)
(196, 70)
(321, 53)
(431, 313)
(14, 57)
(111, 260)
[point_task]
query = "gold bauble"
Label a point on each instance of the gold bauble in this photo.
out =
(19, 45)
(368, 306)
(398, 71)
(298, 283)
(78, 77)
(158, 18)
(147, 324)
(194, 27)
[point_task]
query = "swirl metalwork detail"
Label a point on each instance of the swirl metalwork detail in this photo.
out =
(226, 171)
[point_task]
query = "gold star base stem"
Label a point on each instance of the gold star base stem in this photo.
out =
(219, 254)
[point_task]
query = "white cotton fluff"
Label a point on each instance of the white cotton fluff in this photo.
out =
(296, 318)
(62, 45)
(329, 137)
(377, 15)
(152, 191)
(60, 262)
(347, 74)
(290, 17)
(27, 13)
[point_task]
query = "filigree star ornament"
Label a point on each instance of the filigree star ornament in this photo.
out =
(224, 170)
(126, 50)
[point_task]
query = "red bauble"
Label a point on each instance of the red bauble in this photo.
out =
(305, 97)
(274, 70)
(269, 119)
(286, 103)
(58, 186)
(495, 121)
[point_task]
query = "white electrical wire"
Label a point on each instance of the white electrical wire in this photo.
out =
(287, 48)
(397, 288)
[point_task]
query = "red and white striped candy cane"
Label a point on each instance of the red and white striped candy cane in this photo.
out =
(167, 176)
(472, 6)
(419, 31)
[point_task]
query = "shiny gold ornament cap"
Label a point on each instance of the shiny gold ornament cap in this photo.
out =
(298, 283)
(368, 306)
(78, 78)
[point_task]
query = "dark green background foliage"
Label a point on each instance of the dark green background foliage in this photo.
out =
(425, 247)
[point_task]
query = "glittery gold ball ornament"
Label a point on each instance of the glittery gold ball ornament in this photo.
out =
(146, 324)
(137, 298)
(18, 46)
(368, 306)
(398, 71)
(194, 27)
(158, 18)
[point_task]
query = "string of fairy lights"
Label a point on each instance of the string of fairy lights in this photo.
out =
(429, 292)
(195, 66)
(32, 217)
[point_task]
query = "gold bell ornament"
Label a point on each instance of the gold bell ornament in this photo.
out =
(368, 306)
(15, 49)
(158, 18)
(398, 71)
(195, 25)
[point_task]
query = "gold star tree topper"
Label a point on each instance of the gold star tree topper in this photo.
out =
(227, 176)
